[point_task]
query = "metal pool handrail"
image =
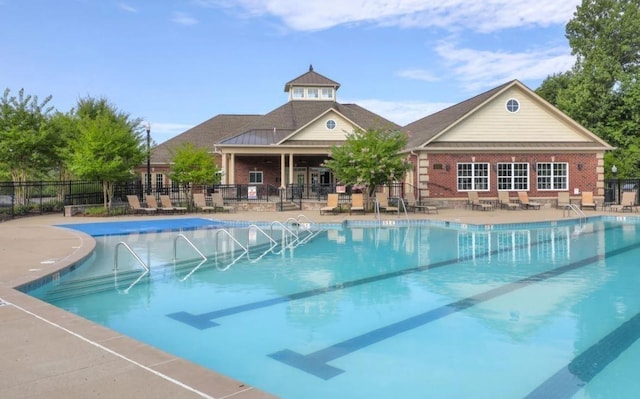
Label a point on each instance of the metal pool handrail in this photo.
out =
(175, 242)
(131, 251)
(115, 267)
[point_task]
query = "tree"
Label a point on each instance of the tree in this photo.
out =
(190, 166)
(26, 144)
(370, 158)
(109, 145)
(603, 89)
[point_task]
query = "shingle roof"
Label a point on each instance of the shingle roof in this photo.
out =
(286, 119)
(205, 134)
(426, 128)
(311, 78)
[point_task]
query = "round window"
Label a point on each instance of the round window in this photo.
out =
(331, 124)
(513, 105)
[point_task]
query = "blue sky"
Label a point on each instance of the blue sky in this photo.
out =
(177, 63)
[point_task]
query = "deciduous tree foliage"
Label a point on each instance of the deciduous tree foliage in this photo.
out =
(191, 166)
(602, 92)
(369, 158)
(25, 141)
(107, 147)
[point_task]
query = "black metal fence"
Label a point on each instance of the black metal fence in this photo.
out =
(39, 197)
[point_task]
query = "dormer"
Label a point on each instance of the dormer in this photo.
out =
(311, 86)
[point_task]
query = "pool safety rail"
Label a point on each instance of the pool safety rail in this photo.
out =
(295, 232)
(569, 208)
(115, 268)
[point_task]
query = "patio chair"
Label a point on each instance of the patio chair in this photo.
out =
(475, 202)
(200, 201)
(153, 203)
(627, 202)
(414, 205)
(218, 203)
(382, 198)
(523, 197)
(332, 204)
(587, 201)
(505, 202)
(165, 200)
(357, 203)
(135, 207)
(563, 199)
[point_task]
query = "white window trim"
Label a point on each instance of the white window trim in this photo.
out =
(513, 176)
(506, 105)
(297, 92)
(256, 173)
(472, 177)
(551, 177)
(328, 90)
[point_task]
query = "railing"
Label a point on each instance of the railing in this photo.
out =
(115, 267)
(245, 251)
(568, 208)
(175, 254)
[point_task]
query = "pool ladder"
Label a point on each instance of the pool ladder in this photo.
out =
(115, 267)
(290, 239)
(568, 208)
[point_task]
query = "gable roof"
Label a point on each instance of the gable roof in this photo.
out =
(281, 123)
(206, 134)
(311, 78)
(425, 132)
(422, 130)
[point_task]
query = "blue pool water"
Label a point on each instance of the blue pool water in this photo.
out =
(411, 312)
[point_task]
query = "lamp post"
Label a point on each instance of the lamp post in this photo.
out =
(148, 128)
(614, 170)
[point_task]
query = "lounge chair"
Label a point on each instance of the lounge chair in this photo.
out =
(153, 203)
(415, 206)
(332, 204)
(475, 202)
(200, 201)
(627, 202)
(563, 199)
(587, 200)
(382, 198)
(505, 202)
(523, 197)
(165, 200)
(135, 207)
(357, 203)
(218, 203)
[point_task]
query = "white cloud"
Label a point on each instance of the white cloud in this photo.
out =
(402, 112)
(478, 15)
(418, 74)
(478, 69)
(183, 19)
(127, 8)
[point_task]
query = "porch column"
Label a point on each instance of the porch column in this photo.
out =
(232, 168)
(223, 168)
(282, 169)
(291, 168)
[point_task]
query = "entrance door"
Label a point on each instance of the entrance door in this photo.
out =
(300, 179)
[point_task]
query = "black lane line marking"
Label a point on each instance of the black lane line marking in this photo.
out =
(570, 379)
(316, 363)
(204, 320)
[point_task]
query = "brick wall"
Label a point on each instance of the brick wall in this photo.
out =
(585, 172)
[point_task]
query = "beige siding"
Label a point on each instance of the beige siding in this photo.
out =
(532, 123)
(317, 130)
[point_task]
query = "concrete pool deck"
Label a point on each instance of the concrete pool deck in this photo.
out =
(50, 353)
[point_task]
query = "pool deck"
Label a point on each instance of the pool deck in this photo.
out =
(49, 353)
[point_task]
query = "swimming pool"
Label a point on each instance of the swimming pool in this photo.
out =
(414, 312)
